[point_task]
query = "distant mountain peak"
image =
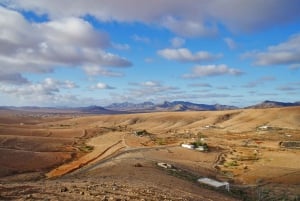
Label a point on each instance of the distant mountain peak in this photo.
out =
(273, 104)
(166, 106)
(126, 106)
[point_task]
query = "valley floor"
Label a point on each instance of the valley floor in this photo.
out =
(114, 157)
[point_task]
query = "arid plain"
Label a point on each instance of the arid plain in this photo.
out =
(66, 156)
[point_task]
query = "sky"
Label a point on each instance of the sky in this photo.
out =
(97, 52)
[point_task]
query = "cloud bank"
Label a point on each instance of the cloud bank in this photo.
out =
(185, 55)
(285, 53)
(212, 70)
(186, 18)
(41, 47)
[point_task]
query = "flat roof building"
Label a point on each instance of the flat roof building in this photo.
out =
(214, 183)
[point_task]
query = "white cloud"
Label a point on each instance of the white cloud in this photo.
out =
(286, 53)
(149, 90)
(150, 84)
(185, 55)
(15, 78)
(101, 85)
(250, 16)
(73, 30)
(70, 84)
(189, 28)
(57, 84)
(212, 70)
(93, 70)
(177, 42)
(69, 42)
(46, 92)
(48, 86)
(230, 43)
(187, 18)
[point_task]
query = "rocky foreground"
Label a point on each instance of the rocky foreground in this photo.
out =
(68, 190)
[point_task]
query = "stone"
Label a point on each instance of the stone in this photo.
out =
(138, 165)
(63, 189)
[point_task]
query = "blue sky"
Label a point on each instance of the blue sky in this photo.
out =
(97, 52)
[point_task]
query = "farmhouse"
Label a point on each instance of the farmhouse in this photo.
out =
(214, 183)
(198, 146)
(188, 146)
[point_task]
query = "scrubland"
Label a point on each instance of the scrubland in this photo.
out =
(113, 157)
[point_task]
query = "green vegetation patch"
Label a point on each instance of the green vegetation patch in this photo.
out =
(141, 133)
(231, 164)
(86, 148)
(199, 143)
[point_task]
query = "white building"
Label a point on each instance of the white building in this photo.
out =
(265, 127)
(200, 148)
(188, 146)
(214, 183)
(165, 165)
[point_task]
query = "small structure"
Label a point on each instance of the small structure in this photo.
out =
(188, 146)
(290, 144)
(209, 126)
(165, 165)
(214, 183)
(140, 133)
(200, 148)
(265, 127)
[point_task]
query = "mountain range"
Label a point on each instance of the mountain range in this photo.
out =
(166, 106)
(126, 107)
(273, 104)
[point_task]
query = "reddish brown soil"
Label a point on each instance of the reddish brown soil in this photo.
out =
(240, 152)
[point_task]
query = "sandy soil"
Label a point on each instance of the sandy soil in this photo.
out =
(101, 149)
(96, 150)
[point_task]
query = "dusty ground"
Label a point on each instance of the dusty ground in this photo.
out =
(101, 157)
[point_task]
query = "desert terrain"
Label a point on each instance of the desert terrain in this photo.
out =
(68, 156)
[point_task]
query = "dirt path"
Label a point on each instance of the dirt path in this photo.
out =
(116, 155)
(102, 149)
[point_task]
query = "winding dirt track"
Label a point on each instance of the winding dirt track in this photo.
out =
(101, 151)
(47, 143)
(116, 154)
